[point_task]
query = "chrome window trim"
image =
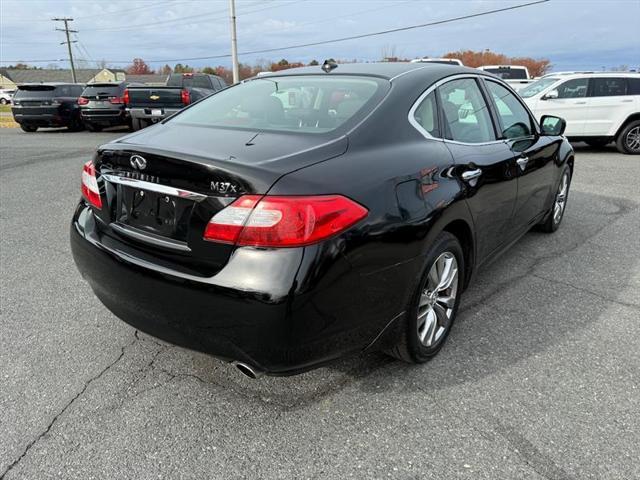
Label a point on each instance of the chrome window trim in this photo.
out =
(416, 104)
(154, 187)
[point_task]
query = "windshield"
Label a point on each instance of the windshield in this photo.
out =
(508, 73)
(306, 104)
(536, 87)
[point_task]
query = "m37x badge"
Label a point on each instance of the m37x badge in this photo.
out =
(224, 187)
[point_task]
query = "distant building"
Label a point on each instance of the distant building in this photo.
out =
(10, 77)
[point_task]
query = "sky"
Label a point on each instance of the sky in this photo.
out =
(573, 34)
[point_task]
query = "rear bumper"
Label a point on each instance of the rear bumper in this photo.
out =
(146, 113)
(250, 311)
(41, 119)
(104, 117)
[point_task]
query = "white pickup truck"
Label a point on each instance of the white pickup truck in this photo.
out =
(515, 75)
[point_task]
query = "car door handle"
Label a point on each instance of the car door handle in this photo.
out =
(522, 161)
(581, 103)
(471, 174)
(627, 101)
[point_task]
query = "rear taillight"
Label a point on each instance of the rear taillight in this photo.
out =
(90, 189)
(83, 101)
(272, 221)
(125, 96)
(185, 96)
(116, 100)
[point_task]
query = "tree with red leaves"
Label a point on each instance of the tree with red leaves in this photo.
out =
(139, 67)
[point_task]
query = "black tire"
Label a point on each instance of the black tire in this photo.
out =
(28, 128)
(92, 127)
(76, 125)
(410, 348)
(552, 222)
(598, 143)
(628, 140)
(136, 124)
(4, 101)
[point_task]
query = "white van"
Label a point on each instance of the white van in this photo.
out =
(599, 108)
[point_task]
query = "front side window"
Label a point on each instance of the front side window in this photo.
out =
(608, 87)
(576, 88)
(426, 115)
(516, 122)
(465, 112)
(305, 104)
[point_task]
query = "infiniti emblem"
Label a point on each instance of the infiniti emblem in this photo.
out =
(138, 162)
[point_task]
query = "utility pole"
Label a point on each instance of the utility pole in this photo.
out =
(234, 41)
(66, 30)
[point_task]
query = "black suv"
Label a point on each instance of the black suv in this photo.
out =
(47, 105)
(102, 105)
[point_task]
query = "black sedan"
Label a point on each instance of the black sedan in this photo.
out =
(301, 216)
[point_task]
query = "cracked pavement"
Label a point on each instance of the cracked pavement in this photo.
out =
(539, 378)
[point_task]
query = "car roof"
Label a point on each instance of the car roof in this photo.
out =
(387, 70)
(49, 84)
(565, 75)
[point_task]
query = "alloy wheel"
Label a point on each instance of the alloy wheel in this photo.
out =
(438, 299)
(561, 198)
(632, 139)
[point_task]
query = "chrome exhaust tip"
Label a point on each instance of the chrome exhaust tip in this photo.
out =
(248, 370)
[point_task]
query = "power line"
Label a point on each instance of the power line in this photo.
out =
(355, 37)
(127, 10)
(336, 40)
(199, 16)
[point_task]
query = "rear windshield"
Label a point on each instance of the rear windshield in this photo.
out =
(305, 104)
(508, 73)
(187, 81)
(95, 90)
(47, 91)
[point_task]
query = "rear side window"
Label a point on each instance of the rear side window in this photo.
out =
(633, 86)
(576, 88)
(426, 115)
(309, 104)
(465, 112)
(608, 87)
(516, 122)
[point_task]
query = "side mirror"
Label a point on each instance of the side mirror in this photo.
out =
(551, 95)
(552, 126)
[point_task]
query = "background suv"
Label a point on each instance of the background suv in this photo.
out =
(598, 107)
(47, 105)
(102, 105)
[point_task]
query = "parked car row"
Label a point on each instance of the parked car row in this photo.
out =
(98, 105)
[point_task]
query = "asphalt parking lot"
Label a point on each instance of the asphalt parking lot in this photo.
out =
(539, 379)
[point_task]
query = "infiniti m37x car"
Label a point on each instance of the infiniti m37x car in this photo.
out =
(301, 216)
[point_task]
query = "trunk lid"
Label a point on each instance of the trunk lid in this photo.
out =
(189, 174)
(150, 97)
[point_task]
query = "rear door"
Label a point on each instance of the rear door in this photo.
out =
(485, 164)
(571, 105)
(610, 103)
(534, 155)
